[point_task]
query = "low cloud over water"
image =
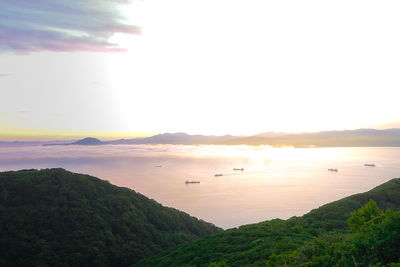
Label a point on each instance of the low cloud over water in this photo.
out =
(275, 182)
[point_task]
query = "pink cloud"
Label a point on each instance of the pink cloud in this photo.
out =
(47, 25)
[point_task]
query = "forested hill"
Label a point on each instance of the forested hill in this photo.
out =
(54, 217)
(319, 238)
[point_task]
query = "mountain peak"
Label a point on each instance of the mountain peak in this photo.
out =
(88, 141)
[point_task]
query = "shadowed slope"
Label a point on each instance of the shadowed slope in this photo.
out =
(253, 244)
(55, 217)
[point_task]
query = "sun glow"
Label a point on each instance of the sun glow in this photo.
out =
(220, 67)
(242, 76)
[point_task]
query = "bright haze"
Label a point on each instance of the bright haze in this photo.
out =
(131, 68)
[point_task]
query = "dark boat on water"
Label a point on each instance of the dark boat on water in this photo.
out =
(192, 182)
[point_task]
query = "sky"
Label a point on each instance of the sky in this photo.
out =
(134, 68)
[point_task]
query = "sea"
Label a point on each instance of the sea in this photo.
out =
(274, 182)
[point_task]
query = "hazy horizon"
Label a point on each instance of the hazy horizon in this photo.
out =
(115, 136)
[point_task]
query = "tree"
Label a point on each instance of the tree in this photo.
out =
(362, 217)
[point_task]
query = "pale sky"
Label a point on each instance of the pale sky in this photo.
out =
(201, 67)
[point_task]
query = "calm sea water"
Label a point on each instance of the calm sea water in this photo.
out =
(275, 183)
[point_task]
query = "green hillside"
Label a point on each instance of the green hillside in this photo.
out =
(319, 238)
(54, 217)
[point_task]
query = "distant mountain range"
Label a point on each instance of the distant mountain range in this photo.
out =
(346, 138)
(88, 141)
(176, 138)
(166, 138)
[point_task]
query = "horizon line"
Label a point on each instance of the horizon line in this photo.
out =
(109, 136)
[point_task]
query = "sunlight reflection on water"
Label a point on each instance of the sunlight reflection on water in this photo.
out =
(275, 183)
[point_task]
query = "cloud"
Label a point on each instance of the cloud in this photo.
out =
(58, 25)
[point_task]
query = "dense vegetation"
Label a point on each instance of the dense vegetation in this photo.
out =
(54, 217)
(374, 240)
(320, 238)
